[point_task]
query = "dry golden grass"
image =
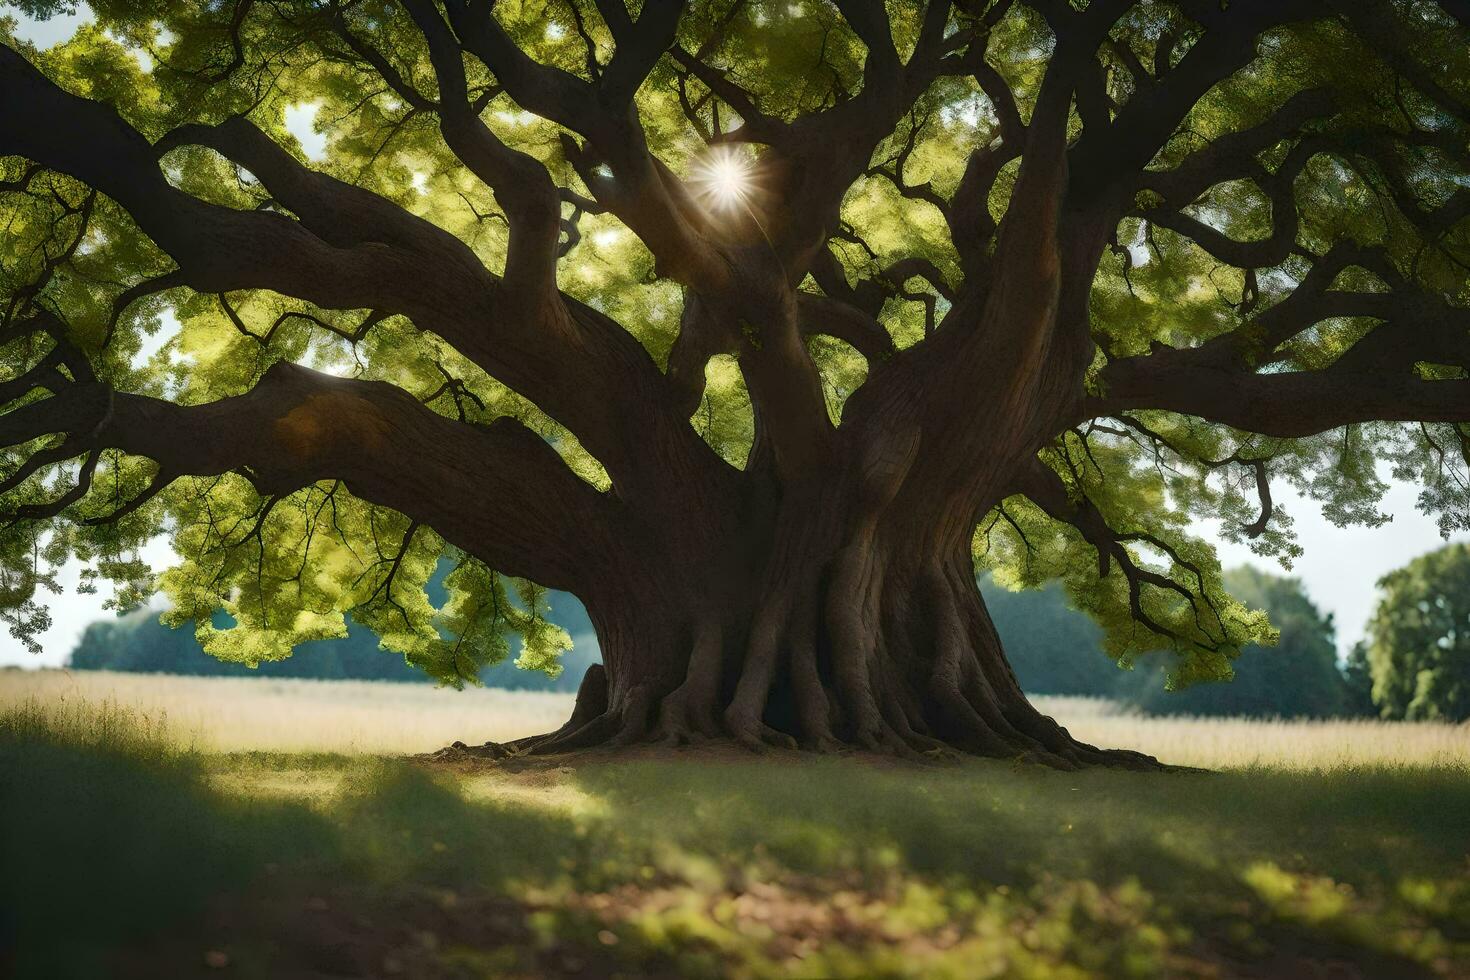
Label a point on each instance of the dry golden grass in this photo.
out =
(1234, 743)
(251, 714)
(233, 714)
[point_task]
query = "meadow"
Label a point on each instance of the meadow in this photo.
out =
(160, 826)
(353, 717)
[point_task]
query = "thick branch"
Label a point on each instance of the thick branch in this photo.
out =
(525, 513)
(218, 248)
(1113, 156)
(643, 193)
(521, 184)
(1234, 155)
(834, 318)
(353, 250)
(1286, 404)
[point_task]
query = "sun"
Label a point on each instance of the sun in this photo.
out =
(724, 178)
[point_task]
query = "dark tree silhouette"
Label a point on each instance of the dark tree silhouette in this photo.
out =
(1063, 275)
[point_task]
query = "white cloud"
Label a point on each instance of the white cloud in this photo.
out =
(168, 329)
(143, 58)
(299, 123)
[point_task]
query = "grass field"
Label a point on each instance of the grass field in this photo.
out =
(138, 846)
(248, 714)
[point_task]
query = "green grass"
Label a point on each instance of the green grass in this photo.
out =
(125, 855)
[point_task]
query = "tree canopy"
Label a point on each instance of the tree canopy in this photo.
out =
(1418, 646)
(1058, 277)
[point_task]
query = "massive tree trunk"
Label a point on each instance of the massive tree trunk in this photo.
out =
(830, 623)
(894, 654)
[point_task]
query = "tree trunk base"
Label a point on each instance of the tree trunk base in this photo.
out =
(596, 725)
(869, 650)
(511, 751)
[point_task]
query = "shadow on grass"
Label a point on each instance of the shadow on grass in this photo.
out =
(117, 849)
(123, 855)
(1365, 869)
(106, 833)
(1005, 824)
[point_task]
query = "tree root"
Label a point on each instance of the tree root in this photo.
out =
(607, 734)
(614, 728)
(865, 659)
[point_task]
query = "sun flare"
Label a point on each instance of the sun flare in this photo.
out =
(725, 178)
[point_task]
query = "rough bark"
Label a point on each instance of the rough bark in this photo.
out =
(844, 642)
(845, 617)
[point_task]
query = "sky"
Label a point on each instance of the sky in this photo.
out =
(1340, 566)
(46, 33)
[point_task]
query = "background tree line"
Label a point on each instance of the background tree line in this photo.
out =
(139, 642)
(1414, 663)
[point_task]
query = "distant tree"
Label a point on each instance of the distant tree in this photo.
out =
(138, 642)
(1419, 638)
(1357, 677)
(1053, 647)
(112, 644)
(1298, 677)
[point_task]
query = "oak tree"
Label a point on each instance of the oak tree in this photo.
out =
(755, 325)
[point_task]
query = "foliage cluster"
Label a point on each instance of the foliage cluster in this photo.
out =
(1418, 646)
